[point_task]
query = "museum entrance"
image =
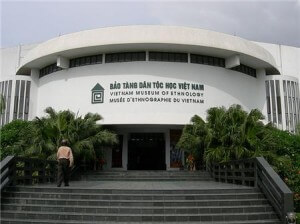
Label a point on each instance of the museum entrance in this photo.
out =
(146, 151)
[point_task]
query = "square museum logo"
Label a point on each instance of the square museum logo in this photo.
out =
(97, 94)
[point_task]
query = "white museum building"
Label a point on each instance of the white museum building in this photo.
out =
(148, 81)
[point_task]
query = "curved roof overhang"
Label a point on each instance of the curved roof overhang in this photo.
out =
(148, 37)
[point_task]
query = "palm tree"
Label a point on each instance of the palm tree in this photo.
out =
(83, 133)
(237, 134)
(230, 134)
(194, 139)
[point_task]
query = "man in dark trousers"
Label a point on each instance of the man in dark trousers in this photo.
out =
(65, 161)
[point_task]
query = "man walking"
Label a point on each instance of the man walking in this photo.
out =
(65, 161)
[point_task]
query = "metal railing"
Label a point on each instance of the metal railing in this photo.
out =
(257, 172)
(27, 171)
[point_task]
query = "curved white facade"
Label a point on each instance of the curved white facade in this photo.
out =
(150, 78)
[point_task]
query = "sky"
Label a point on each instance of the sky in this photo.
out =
(271, 21)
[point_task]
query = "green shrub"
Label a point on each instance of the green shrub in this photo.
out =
(15, 138)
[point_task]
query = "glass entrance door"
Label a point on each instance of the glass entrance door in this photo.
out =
(146, 151)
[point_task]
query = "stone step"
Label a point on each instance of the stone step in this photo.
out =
(180, 201)
(39, 221)
(71, 189)
(139, 210)
(169, 174)
(12, 214)
(144, 179)
(147, 176)
(137, 172)
(91, 196)
(144, 203)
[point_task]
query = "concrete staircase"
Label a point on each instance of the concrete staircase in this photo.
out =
(128, 198)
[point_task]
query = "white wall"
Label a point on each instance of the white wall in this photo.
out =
(287, 58)
(71, 89)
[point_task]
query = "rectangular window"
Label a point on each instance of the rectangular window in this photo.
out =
(142, 56)
(88, 60)
(82, 61)
(287, 121)
(77, 62)
(1, 87)
(286, 104)
(245, 69)
(215, 61)
(294, 97)
(16, 103)
(121, 57)
(172, 57)
(49, 69)
(278, 101)
(298, 102)
(99, 59)
(291, 122)
(125, 57)
(168, 56)
(284, 87)
(72, 63)
(134, 56)
(207, 60)
(115, 57)
(27, 100)
(21, 105)
(268, 100)
(128, 57)
(5, 100)
(93, 60)
(165, 57)
(273, 102)
(290, 109)
(8, 102)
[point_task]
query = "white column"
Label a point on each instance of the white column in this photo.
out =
(33, 107)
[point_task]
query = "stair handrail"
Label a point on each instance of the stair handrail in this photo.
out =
(22, 170)
(7, 171)
(274, 188)
(256, 172)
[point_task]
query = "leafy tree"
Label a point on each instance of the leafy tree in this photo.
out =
(41, 137)
(83, 133)
(231, 134)
(236, 134)
(195, 138)
(16, 138)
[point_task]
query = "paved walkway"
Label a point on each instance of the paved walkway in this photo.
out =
(150, 185)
